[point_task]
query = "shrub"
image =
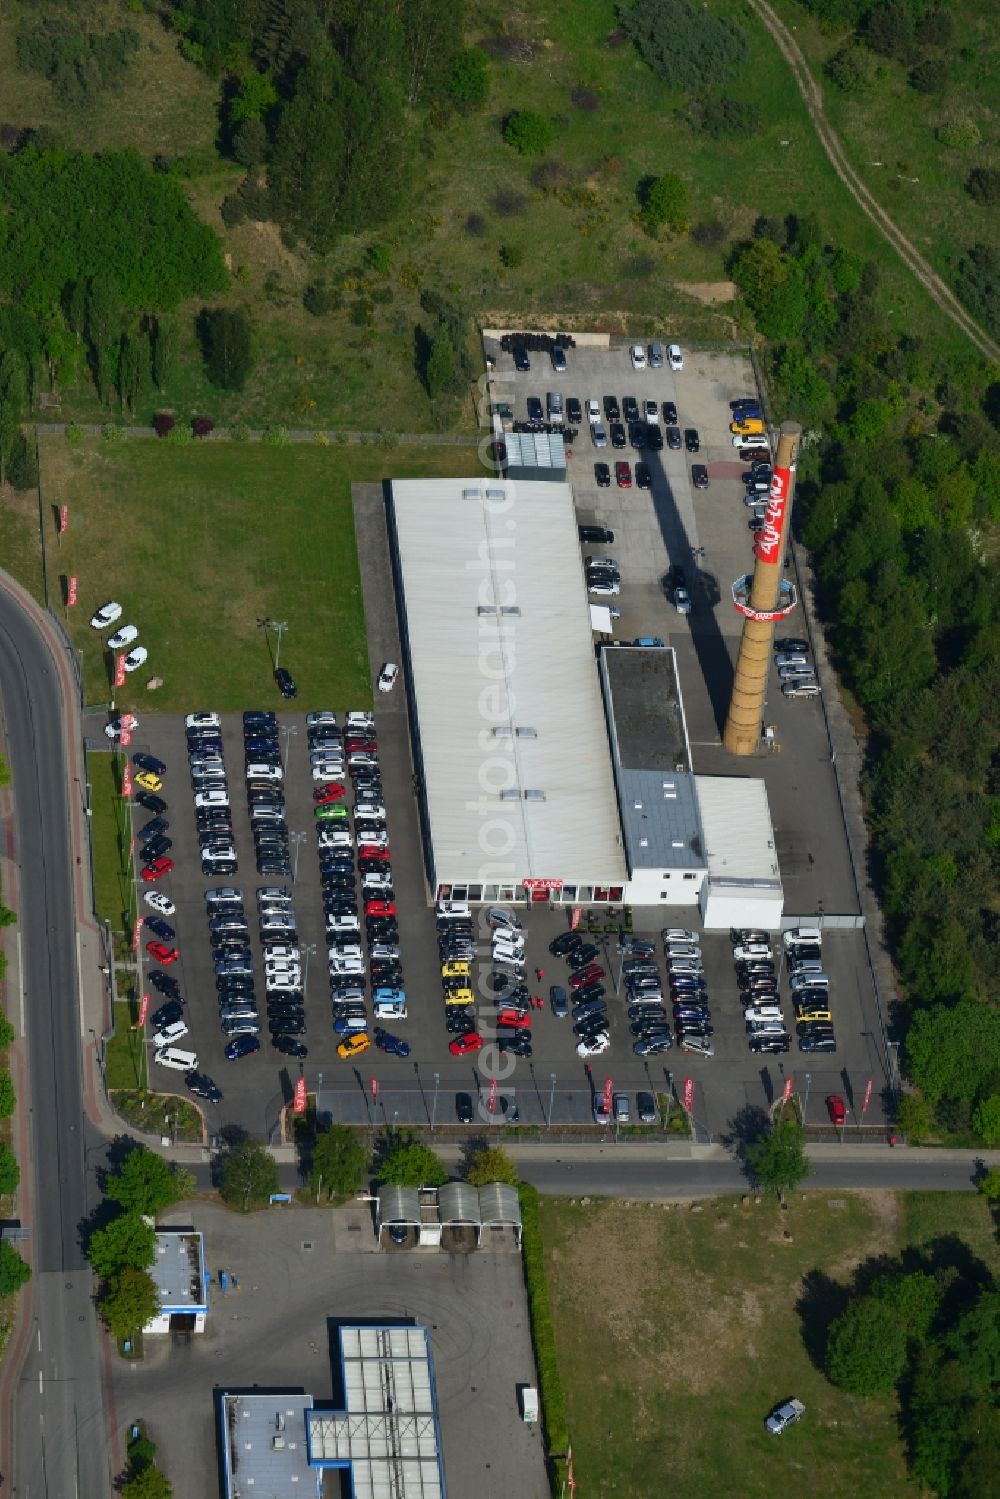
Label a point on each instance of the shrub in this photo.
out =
(14, 1273)
(233, 210)
(929, 77)
(241, 432)
(492, 1164)
(961, 134)
(380, 258)
(276, 437)
(114, 432)
(986, 1119)
(852, 69)
(866, 1348)
(75, 433)
(685, 45)
(179, 436)
(915, 1117)
(201, 426)
(585, 98)
(511, 256)
(664, 203)
(469, 80)
(319, 299)
(8, 1098)
(983, 185)
(163, 423)
(542, 1332)
(475, 225)
(226, 346)
(722, 117)
(530, 133)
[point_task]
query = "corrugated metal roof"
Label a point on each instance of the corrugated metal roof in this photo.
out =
(536, 451)
(504, 683)
(458, 1202)
(398, 1205)
(499, 1203)
(736, 825)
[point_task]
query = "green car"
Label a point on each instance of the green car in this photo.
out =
(331, 814)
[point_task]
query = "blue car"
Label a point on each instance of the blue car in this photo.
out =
(242, 1046)
(392, 1045)
(159, 927)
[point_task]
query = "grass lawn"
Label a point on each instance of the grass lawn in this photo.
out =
(890, 133)
(125, 1053)
(114, 891)
(677, 1330)
(200, 542)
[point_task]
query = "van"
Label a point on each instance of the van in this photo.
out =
(554, 406)
(170, 1033)
(748, 426)
(762, 1012)
(180, 1061)
(809, 981)
(265, 773)
(656, 356)
(807, 935)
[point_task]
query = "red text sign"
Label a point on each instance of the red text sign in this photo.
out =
(143, 1011)
(688, 1094)
(120, 670)
(768, 544)
(71, 592)
(787, 1093)
(542, 884)
(868, 1098)
(63, 517)
(299, 1101)
(374, 1087)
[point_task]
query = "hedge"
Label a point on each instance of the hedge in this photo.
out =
(550, 1389)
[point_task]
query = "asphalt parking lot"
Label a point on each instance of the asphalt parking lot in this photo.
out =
(299, 1274)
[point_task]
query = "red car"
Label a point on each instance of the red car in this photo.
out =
(162, 953)
(329, 793)
(623, 475)
(515, 1019)
(376, 855)
(380, 908)
(462, 1045)
(361, 747)
(836, 1108)
(156, 869)
(588, 975)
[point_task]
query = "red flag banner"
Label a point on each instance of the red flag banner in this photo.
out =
(787, 1091)
(768, 542)
(127, 780)
(299, 1101)
(125, 737)
(374, 1087)
(868, 1099)
(137, 934)
(143, 1012)
(577, 914)
(63, 517)
(71, 592)
(493, 1094)
(120, 670)
(609, 1093)
(688, 1094)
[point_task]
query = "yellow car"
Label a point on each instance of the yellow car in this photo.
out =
(455, 970)
(814, 1015)
(148, 781)
(460, 997)
(353, 1046)
(749, 426)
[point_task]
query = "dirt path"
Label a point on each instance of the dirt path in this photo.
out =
(907, 252)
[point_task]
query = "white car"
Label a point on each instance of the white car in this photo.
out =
(160, 902)
(638, 355)
(454, 910)
(344, 950)
(675, 358)
(372, 838)
(652, 413)
(594, 1045)
(265, 773)
(387, 677)
(682, 601)
(784, 1415)
(122, 637)
(370, 809)
(329, 770)
(376, 879)
(606, 590)
(212, 796)
(282, 952)
(796, 673)
(123, 721)
(360, 720)
(346, 966)
(593, 411)
(106, 615)
(680, 934)
(202, 721)
(335, 924)
(136, 658)
(802, 687)
(324, 716)
(752, 440)
(596, 560)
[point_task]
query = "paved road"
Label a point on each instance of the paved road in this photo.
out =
(60, 1446)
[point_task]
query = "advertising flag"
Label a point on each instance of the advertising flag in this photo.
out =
(127, 779)
(493, 1094)
(374, 1087)
(71, 592)
(577, 913)
(688, 1096)
(143, 1012)
(868, 1095)
(63, 517)
(120, 670)
(137, 934)
(609, 1093)
(787, 1090)
(299, 1101)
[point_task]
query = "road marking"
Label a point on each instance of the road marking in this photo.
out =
(41, 1384)
(20, 980)
(79, 983)
(39, 1340)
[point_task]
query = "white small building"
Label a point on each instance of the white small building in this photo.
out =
(178, 1273)
(743, 887)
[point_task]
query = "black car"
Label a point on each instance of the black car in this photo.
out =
(288, 1046)
(692, 441)
(152, 829)
(535, 412)
(574, 411)
(637, 947)
(150, 763)
(518, 1044)
(602, 475)
(464, 1111)
(674, 439)
(159, 928)
(557, 354)
(151, 802)
(817, 1043)
(259, 716)
(457, 1023)
(611, 409)
(654, 438)
(699, 476)
(521, 360)
(165, 983)
(643, 476)
(560, 1004)
(638, 436)
(618, 438)
(630, 408)
(565, 944)
(769, 1045)
(792, 644)
(669, 414)
(285, 682)
(167, 1014)
(282, 1025)
(155, 849)
(202, 1087)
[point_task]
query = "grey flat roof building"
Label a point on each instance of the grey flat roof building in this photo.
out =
(178, 1272)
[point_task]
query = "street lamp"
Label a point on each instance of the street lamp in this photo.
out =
(307, 949)
(298, 839)
(552, 1098)
(288, 729)
(805, 1103)
(279, 626)
(434, 1105)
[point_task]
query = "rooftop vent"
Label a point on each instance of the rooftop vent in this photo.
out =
(470, 494)
(527, 733)
(510, 795)
(534, 796)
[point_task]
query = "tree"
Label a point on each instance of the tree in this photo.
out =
(491, 1164)
(412, 1165)
(983, 185)
(975, 1341)
(989, 1184)
(128, 1302)
(978, 284)
(252, 100)
(7, 1031)
(13, 394)
(439, 370)
(250, 143)
(929, 76)
(986, 1119)
(951, 1050)
(890, 29)
(778, 1161)
(530, 133)
(148, 1483)
(665, 203)
(866, 1348)
(340, 1161)
(249, 1175)
(104, 317)
(722, 118)
(469, 80)
(10, 1171)
(684, 45)
(127, 1240)
(915, 1117)
(8, 1098)
(913, 1298)
(146, 1183)
(851, 69)
(14, 1273)
(166, 351)
(226, 345)
(133, 368)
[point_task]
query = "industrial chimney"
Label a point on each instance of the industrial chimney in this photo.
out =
(761, 599)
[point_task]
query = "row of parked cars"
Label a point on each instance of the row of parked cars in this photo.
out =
(643, 356)
(629, 424)
(757, 982)
(124, 637)
(690, 1021)
(810, 990)
(229, 933)
(796, 672)
(588, 993)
